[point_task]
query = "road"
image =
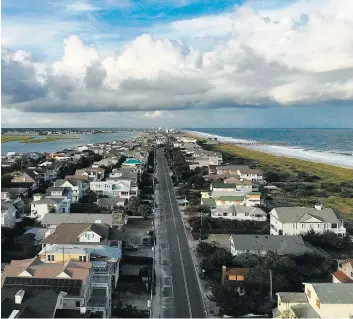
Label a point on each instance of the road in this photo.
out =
(185, 299)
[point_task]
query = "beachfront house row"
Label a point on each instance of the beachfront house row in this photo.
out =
(300, 220)
(42, 205)
(262, 244)
(236, 212)
(319, 300)
(111, 188)
(8, 214)
(76, 186)
(240, 187)
(344, 273)
(82, 293)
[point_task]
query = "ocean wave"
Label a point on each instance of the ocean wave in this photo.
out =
(332, 158)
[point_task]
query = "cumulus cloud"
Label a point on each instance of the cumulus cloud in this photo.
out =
(282, 57)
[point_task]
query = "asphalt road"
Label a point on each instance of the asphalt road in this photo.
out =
(186, 296)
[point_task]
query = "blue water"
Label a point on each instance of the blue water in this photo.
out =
(62, 144)
(329, 140)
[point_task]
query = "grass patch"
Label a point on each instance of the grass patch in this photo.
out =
(14, 138)
(30, 139)
(48, 139)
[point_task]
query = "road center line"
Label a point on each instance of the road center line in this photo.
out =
(185, 282)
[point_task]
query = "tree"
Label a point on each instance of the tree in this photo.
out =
(52, 209)
(144, 210)
(90, 197)
(229, 302)
(133, 205)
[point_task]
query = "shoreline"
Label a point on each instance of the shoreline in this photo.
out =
(327, 158)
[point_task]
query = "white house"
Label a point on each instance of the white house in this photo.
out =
(115, 188)
(41, 206)
(239, 213)
(94, 173)
(251, 174)
(8, 214)
(319, 300)
(300, 220)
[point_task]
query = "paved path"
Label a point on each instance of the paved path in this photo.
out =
(180, 291)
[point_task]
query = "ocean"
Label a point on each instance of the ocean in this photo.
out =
(331, 146)
(62, 144)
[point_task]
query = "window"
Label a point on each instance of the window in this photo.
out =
(318, 303)
(303, 226)
(246, 214)
(308, 292)
(318, 225)
(50, 257)
(78, 304)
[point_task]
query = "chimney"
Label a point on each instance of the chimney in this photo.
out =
(37, 197)
(224, 270)
(318, 206)
(19, 296)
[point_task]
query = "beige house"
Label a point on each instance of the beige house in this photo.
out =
(319, 300)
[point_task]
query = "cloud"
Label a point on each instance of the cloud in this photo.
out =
(275, 58)
(153, 114)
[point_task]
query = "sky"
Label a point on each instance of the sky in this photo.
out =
(177, 63)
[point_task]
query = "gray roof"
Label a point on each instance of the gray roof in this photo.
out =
(110, 201)
(50, 201)
(305, 311)
(58, 218)
(293, 297)
(282, 244)
(296, 214)
(329, 293)
(73, 182)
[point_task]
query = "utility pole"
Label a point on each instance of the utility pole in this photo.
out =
(200, 239)
(270, 284)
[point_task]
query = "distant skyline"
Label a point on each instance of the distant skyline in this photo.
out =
(177, 63)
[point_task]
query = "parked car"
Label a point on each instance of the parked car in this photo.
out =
(130, 246)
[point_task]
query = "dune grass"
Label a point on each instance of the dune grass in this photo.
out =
(48, 139)
(14, 138)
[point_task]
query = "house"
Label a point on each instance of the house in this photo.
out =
(229, 169)
(29, 302)
(94, 173)
(239, 213)
(300, 220)
(115, 219)
(261, 244)
(27, 176)
(76, 186)
(232, 275)
(132, 162)
(77, 281)
(121, 188)
(237, 186)
(111, 202)
(16, 196)
(107, 162)
(231, 198)
(95, 242)
(40, 206)
(251, 174)
(8, 214)
(344, 273)
(319, 300)
(133, 173)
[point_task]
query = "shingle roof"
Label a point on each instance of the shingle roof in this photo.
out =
(39, 269)
(35, 304)
(68, 233)
(294, 214)
(208, 202)
(222, 185)
(230, 198)
(342, 277)
(293, 297)
(57, 219)
(329, 293)
(111, 201)
(304, 311)
(282, 244)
